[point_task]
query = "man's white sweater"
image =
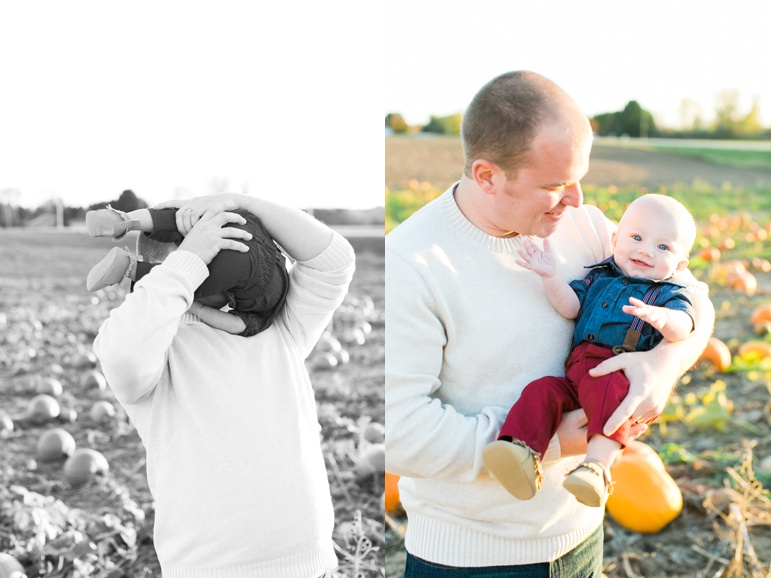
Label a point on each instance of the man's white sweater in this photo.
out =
(466, 330)
(229, 423)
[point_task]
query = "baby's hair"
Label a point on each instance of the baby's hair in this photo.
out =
(685, 220)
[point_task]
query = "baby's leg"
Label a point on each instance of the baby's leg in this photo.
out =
(602, 450)
(599, 396)
(590, 482)
(143, 216)
(163, 226)
(515, 458)
(113, 223)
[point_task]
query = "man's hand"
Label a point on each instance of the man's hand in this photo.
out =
(541, 262)
(210, 235)
(190, 211)
(647, 395)
(572, 433)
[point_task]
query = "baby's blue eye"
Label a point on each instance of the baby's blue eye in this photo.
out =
(663, 247)
(637, 237)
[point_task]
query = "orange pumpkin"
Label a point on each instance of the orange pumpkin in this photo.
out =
(761, 318)
(710, 254)
(10, 567)
(757, 349)
(745, 282)
(717, 353)
(645, 497)
(392, 501)
(727, 244)
(761, 314)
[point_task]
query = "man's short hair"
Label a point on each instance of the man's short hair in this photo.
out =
(503, 118)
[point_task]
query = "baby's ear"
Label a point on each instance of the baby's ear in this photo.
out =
(682, 265)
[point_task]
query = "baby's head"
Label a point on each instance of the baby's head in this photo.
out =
(654, 238)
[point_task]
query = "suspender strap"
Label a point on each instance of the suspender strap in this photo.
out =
(633, 333)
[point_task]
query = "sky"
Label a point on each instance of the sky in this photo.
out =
(177, 99)
(604, 53)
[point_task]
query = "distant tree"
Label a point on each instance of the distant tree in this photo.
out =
(606, 124)
(690, 116)
(10, 213)
(636, 121)
(444, 124)
(727, 114)
(749, 125)
(128, 201)
(396, 122)
(633, 121)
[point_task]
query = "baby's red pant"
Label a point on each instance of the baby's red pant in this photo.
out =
(535, 416)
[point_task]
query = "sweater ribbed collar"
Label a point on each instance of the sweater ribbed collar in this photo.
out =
(470, 232)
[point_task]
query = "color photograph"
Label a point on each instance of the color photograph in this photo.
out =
(577, 287)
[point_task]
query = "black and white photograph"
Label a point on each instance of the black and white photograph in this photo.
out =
(191, 291)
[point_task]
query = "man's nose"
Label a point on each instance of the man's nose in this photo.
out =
(574, 196)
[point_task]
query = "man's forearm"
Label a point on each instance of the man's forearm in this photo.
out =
(302, 236)
(681, 355)
(218, 319)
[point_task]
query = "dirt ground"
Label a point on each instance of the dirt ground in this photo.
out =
(439, 160)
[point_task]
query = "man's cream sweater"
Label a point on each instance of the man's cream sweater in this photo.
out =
(229, 423)
(466, 330)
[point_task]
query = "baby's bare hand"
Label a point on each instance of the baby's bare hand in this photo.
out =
(541, 262)
(657, 317)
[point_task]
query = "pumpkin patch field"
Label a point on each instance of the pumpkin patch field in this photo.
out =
(74, 499)
(692, 496)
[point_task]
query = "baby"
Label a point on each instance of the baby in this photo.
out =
(629, 302)
(253, 283)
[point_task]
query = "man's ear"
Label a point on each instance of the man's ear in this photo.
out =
(613, 238)
(485, 174)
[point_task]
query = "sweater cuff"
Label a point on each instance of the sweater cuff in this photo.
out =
(189, 265)
(338, 255)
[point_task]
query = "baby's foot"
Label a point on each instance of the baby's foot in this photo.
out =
(589, 483)
(110, 222)
(116, 266)
(516, 467)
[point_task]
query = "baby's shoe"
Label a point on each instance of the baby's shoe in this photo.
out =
(516, 467)
(589, 483)
(116, 266)
(109, 222)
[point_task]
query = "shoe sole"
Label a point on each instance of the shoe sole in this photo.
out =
(584, 492)
(504, 461)
(99, 226)
(104, 273)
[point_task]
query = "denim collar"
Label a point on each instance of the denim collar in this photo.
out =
(610, 263)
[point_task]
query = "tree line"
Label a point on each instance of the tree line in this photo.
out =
(729, 122)
(14, 215)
